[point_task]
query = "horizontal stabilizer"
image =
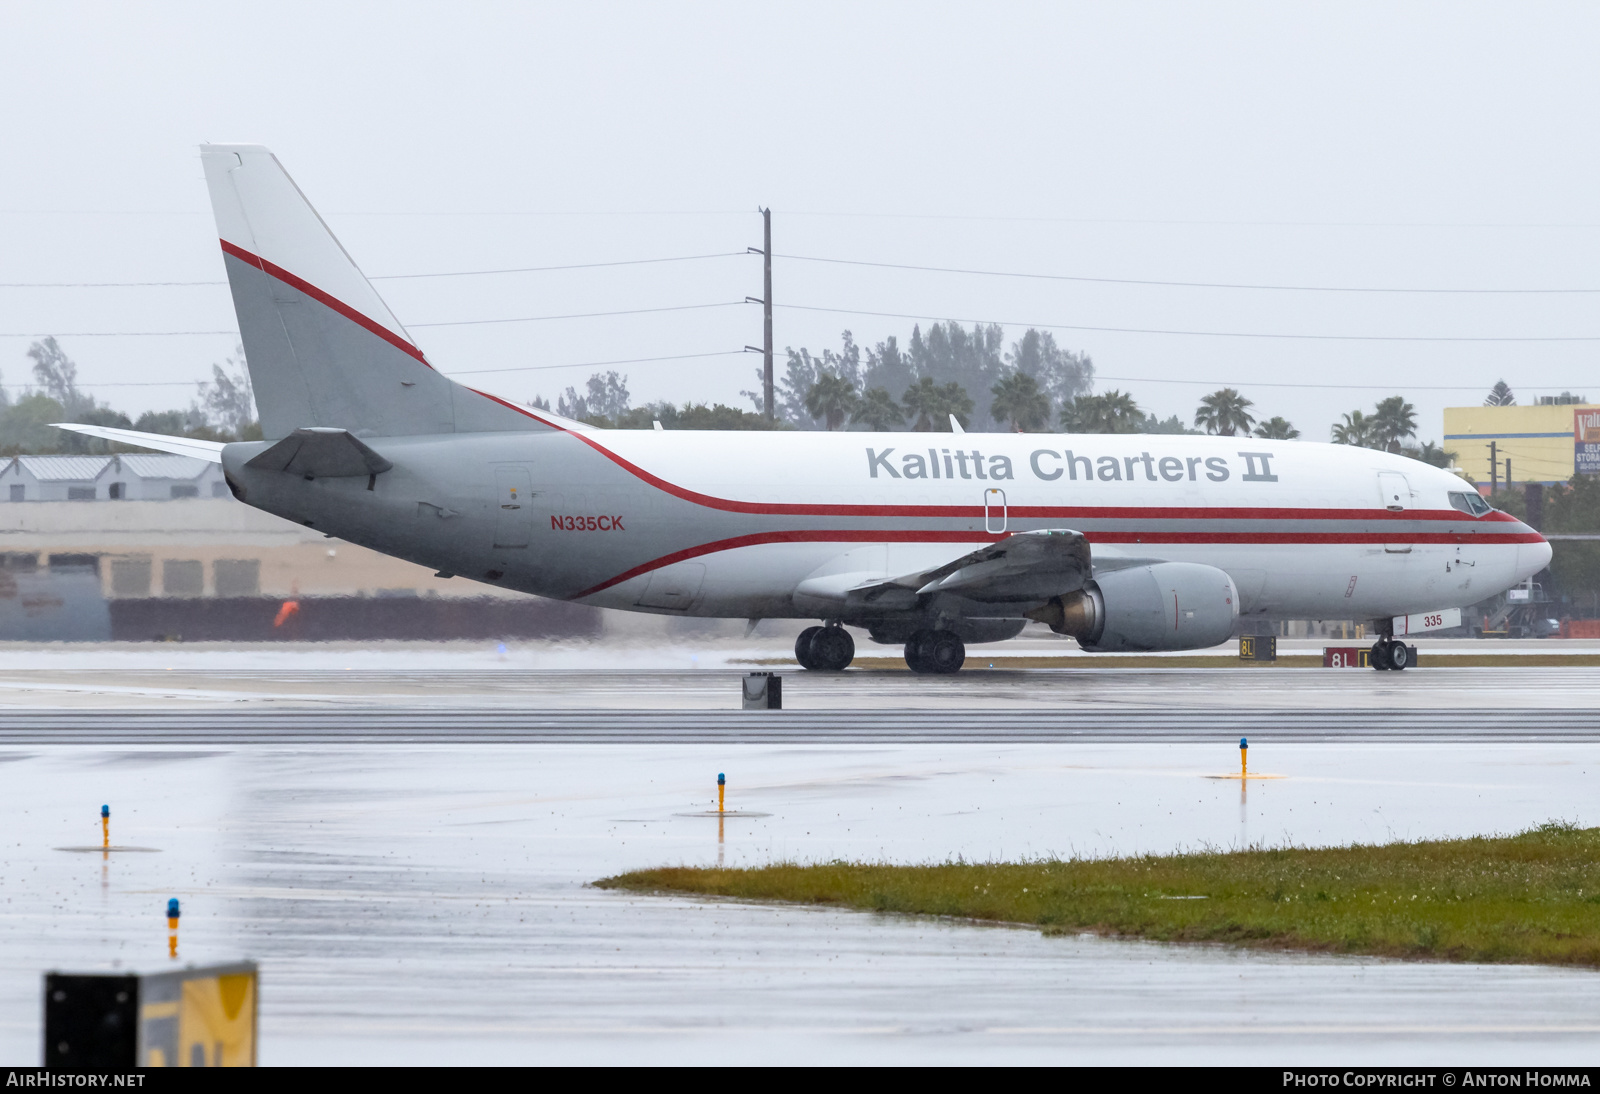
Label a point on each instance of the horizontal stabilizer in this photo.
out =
(321, 452)
(210, 451)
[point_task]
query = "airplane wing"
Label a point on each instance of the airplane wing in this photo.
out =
(1024, 568)
(1028, 567)
(210, 451)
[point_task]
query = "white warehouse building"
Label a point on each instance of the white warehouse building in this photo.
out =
(136, 477)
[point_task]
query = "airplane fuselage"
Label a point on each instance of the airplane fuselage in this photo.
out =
(735, 524)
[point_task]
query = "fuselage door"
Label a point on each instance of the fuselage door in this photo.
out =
(1394, 490)
(994, 510)
(513, 519)
(1395, 493)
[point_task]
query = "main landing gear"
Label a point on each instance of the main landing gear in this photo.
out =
(936, 652)
(1390, 653)
(825, 649)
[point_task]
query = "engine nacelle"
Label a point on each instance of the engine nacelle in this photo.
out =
(1165, 606)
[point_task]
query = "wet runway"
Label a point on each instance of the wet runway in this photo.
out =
(499, 725)
(405, 847)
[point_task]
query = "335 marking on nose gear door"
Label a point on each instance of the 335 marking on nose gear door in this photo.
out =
(586, 524)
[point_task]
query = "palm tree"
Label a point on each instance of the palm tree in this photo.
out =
(1356, 429)
(1394, 421)
(933, 404)
(1018, 400)
(1277, 429)
(922, 401)
(1113, 412)
(1225, 412)
(1500, 395)
(1432, 453)
(878, 411)
(1081, 413)
(955, 403)
(831, 399)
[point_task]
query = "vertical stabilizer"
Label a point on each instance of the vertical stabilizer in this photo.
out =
(322, 346)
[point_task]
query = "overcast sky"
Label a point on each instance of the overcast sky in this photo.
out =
(1391, 145)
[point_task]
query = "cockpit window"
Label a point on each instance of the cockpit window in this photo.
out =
(1471, 504)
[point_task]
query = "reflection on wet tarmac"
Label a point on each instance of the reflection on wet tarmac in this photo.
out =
(429, 903)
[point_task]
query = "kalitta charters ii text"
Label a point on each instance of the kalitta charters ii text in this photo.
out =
(1049, 465)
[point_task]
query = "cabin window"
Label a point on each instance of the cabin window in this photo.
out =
(19, 492)
(116, 491)
(1471, 504)
(80, 493)
(189, 491)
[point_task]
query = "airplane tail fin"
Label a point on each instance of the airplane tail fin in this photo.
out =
(322, 347)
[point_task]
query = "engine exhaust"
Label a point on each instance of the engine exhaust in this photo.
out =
(1079, 614)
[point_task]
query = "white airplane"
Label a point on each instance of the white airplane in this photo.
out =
(933, 540)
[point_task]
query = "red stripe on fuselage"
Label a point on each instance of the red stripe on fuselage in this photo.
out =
(321, 297)
(1020, 512)
(853, 535)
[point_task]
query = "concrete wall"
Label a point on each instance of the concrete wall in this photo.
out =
(209, 547)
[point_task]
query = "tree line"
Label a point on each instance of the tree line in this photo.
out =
(223, 409)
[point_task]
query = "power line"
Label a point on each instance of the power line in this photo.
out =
(1176, 222)
(473, 372)
(449, 323)
(1253, 383)
(115, 333)
(103, 284)
(1425, 225)
(372, 277)
(1197, 333)
(547, 269)
(1171, 284)
(601, 364)
(578, 315)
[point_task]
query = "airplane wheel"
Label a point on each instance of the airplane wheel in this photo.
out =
(802, 647)
(944, 652)
(916, 647)
(1379, 657)
(832, 649)
(1399, 656)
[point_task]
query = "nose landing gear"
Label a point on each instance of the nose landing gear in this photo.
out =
(1390, 653)
(936, 652)
(825, 649)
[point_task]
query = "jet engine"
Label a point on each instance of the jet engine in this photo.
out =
(1165, 606)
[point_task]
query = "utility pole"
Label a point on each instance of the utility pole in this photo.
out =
(766, 311)
(1494, 470)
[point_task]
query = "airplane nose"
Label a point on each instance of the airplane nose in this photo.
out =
(1533, 557)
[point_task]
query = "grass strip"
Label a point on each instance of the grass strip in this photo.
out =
(1533, 897)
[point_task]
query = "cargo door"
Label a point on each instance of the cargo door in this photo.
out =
(1394, 493)
(513, 519)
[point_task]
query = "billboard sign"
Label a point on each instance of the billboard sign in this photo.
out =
(1586, 441)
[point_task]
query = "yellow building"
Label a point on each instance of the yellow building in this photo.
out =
(1541, 442)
